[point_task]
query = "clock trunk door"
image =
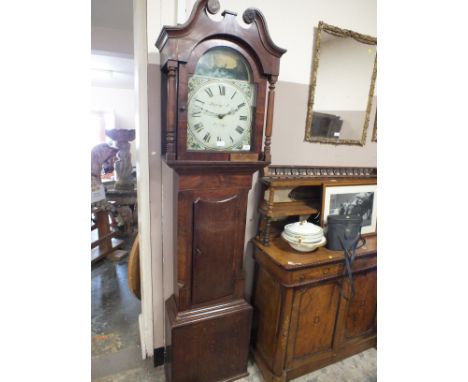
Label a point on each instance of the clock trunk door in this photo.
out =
(215, 243)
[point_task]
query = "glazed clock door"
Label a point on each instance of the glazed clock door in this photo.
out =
(216, 239)
(223, 103)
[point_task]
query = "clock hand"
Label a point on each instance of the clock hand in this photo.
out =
(209, 112)
(232, 111)
(219, 115)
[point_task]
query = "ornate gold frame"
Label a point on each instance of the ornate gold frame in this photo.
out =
(313, 81)
(374, 130)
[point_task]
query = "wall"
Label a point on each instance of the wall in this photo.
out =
(112, 40)
(291, 25)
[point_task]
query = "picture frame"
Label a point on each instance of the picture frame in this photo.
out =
(359, 199)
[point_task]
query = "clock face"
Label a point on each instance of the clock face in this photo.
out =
(219, 114)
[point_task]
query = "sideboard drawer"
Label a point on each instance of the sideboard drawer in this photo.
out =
(329, 271)
(318, 273)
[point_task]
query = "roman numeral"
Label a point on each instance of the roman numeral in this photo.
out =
(198, 127)
(209, 92)
(243, 118)
(233, 94)
(196, 113)
(232, 139)
(239, 129)
(240, 105)
(222, 90)
(196, 99)
(207, 137)
(218, 139)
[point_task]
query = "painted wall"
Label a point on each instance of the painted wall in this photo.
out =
(112, 40)
(291, 25)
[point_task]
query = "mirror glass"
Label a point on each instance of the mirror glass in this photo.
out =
(344, 71)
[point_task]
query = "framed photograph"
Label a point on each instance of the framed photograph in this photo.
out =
(352, 200)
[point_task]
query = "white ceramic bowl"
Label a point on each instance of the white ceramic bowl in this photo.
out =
(303, 228)
(302, 239)
(305, 247)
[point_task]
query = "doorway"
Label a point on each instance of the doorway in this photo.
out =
(116, 337)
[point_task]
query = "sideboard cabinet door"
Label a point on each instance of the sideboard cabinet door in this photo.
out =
(357, 317)
(313, 320)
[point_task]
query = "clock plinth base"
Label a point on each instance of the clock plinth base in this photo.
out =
(208, 344)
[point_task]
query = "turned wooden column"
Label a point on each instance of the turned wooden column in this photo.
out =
(171, 112)
(269, 119)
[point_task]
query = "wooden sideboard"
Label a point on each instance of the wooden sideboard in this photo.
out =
(301, 321)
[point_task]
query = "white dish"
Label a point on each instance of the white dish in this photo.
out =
(308, 247)
(301, 239)
(303, 228)
(318, 234)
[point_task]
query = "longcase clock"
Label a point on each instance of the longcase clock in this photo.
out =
(218, 82)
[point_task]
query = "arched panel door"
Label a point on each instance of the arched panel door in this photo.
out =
(215, 242)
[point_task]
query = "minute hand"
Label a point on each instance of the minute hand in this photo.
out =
(209, 112)
(232, 111)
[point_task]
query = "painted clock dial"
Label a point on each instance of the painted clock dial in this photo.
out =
(221, 103)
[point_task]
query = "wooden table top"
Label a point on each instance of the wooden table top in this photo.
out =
(288, 258)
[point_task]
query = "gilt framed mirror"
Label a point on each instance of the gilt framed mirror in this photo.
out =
(342, 83)
(374, 130)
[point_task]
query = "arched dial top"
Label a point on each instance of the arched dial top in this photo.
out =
(223, 62)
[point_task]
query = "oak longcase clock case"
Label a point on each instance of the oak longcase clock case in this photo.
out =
(218, 84)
